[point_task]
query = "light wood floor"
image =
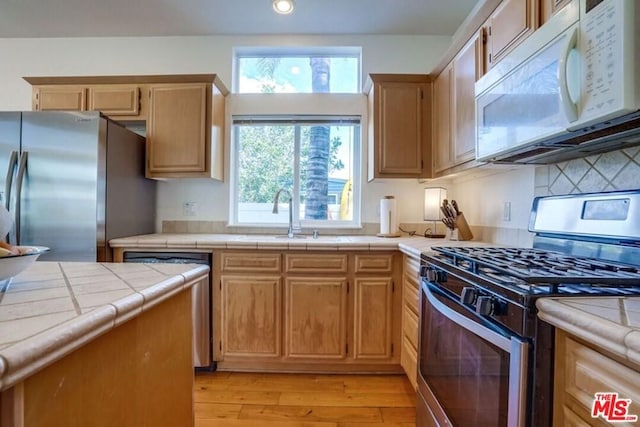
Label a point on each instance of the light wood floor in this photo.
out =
(224, 399)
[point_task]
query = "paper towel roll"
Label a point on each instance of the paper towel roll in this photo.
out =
(388, 215)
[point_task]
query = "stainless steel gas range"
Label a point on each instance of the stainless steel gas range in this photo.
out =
(484, 357)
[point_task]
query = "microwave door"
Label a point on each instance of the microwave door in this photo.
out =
(526, 105)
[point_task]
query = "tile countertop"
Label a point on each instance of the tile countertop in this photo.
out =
(611, 323)
(52, 309)
(409, 245)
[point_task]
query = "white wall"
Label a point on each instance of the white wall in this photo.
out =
(209, 54)
(482, 195)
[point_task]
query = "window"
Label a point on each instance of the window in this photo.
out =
(315, 158)
(285, 70)
(296, 126)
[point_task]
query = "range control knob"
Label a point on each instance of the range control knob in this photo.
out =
(486, 306)
(468, 295)
(432, 274)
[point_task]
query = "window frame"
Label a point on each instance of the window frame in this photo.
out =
(294, 51)
(299, 120)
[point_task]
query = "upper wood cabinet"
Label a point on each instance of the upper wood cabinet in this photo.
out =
(442, 120)
(454, 121)
(399, 109)
(184, 114)
(114, 101)
(511, 23)
(550, 7)
(185, 130)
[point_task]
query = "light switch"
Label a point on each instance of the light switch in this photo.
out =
(189, 208)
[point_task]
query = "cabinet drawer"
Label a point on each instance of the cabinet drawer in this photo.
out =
(250, 262)
(586, 371)
(411, 267)
(410, 326)
(115, 100)
(315, 263)
(411, 296)
(374, 263)
(409, 361)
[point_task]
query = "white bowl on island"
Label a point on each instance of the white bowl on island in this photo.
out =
(12, 263)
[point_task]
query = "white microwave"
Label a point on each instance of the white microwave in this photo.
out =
(570, 89)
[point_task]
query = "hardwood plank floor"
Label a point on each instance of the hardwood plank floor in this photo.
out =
(226, 399)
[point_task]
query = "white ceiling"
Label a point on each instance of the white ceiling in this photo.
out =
(102, 18)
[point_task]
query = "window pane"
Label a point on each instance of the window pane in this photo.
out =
(322, 178)
(326, 172)
(293, 74)
(265, 164)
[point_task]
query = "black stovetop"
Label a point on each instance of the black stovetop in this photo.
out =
(512, 272)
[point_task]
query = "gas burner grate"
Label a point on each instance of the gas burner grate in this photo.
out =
(540, 267)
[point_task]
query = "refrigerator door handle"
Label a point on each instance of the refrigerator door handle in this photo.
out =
(13, 161)
(21, 171)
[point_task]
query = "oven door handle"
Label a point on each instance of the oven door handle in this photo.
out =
(517, 349)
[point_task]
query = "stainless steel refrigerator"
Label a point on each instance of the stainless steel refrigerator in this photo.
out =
(73, 181)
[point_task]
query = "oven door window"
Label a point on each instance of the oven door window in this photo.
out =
(468, 375)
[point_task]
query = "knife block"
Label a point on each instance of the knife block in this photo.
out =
(462, 230)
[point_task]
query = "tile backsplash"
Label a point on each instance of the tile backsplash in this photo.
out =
(615, 170)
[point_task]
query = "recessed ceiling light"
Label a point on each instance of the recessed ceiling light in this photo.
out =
(283, 7)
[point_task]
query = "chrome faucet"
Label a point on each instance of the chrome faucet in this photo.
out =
(275, 209)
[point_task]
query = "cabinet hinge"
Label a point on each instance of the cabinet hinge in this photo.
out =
(421, 94)
(220, 345)
(392, 349)
(393, 286)
(347, 287)
(220, 284)
(489, 31)
(346, 348)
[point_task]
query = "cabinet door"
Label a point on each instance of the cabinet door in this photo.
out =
(176, 134)
(399, 135)
(511, 23)
(465, 73)
(442, 155)
(67, 98)
(316, 317)
(115, 100)
(251, 313)
(373, 315)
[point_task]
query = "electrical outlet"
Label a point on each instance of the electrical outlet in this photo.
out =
(506, 212)
(189, 208)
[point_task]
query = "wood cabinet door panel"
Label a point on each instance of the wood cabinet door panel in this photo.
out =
(582, 372)
(400, 117)
(66, 98)
(115, 100)
(176, 135)
(315, 317)
(316, 263)
(511, 23)
(410, 326)
(373, 315)
(409, 361)
(373, 263)
(251, 313)
(250, 262)
(464, 72)
(442, 107)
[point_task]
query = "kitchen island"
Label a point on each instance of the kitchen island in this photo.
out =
(97, 344)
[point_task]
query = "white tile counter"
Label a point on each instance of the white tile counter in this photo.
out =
(52, 309)
(611, 323)
(175, 241)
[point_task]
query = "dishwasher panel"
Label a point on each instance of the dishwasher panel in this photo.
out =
(201, 294)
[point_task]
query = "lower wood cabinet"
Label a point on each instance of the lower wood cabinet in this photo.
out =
(316, 317)
(581, 371)
(410, 297)
(319, 312)
(251, 311)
